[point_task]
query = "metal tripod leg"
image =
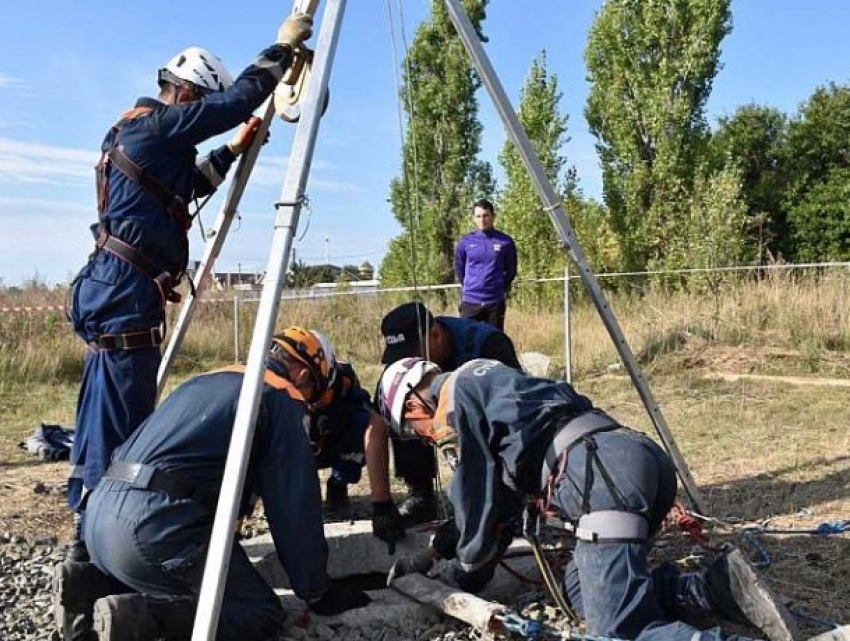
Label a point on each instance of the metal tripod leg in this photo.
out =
(213, 247)
(288, 212)
(553, 206)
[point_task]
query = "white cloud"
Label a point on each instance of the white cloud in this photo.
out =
(38, 163)
(271, 170)
(43, 236)
(11, 82)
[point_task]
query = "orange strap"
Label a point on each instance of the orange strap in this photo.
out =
(269, 378)
(135, 112)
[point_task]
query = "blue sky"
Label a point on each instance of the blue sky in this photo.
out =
(68, 69)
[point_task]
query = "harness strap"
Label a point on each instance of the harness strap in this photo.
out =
(130, 340)
(162, 278)
(174, 204)
(148, 477)
(573, 431)
(612, 526)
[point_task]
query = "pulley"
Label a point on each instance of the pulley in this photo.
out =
(293, 86)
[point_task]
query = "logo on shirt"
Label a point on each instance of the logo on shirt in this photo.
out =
(497, 247)
(395, 340)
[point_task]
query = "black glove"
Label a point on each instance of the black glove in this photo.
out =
(339, 599)
(416, 564)
(445, 540)
(386, 523)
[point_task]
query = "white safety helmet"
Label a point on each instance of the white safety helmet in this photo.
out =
(330, 356)
(198, 67)
(397, 381)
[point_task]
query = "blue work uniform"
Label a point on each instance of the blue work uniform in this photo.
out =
(152, 533)
(116, 307)
(338, 426)
(414, 459)
(508, 425)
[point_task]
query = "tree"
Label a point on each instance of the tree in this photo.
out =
(821, 219)
(441, 174)
(754, 140)
(818, 158)
(520, 211)
(651, 64)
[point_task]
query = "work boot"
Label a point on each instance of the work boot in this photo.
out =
(76, 586)
(420, 506)
(737, 593)
(336, 496)
(141, 617)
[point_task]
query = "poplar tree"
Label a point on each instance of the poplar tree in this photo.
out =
(651, 64)
(520, 210)
(441, 174)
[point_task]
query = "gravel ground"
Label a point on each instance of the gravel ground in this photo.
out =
(26, 571)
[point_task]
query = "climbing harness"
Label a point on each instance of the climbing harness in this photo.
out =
(165, 281)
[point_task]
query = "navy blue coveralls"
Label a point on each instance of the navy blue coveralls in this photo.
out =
(116, 308)
(339, 424)
(414, 459)
(156, 543)
(506, 422)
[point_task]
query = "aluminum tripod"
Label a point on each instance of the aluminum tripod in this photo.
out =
(286, 224)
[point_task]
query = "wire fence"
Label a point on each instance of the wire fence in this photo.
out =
(551, 316)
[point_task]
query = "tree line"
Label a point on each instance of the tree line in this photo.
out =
(758, 186)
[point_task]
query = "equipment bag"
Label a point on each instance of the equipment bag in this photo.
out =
(50, 442)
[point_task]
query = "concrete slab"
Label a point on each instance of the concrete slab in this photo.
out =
(354, 552)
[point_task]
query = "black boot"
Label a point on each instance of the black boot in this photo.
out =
(737, 593)
(336, 496)
(420, 506)
(141, 617)
(76, 587)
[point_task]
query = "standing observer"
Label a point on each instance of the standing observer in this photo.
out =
(485, 265)
(147, 176)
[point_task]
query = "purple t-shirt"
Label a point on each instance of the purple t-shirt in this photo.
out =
(485, 264)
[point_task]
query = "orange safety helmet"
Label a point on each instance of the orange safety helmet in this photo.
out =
(303, 346)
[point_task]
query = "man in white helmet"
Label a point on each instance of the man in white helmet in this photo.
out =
(520, 446)
(148, 174)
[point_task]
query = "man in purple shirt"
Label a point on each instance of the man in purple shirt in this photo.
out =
(485, 264)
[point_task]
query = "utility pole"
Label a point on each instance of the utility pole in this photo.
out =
(327, 251)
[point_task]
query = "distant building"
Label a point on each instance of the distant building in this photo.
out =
(359, 279)
(229, 280)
